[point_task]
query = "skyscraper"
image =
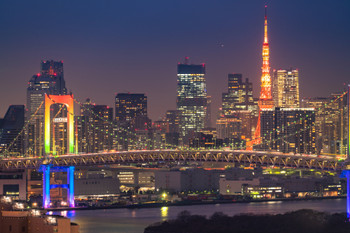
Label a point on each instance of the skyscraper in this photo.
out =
(191, 99)
(50, 80)
(95, 131)
(129, 108)
(172, 134)
(288, 130)
(238, 106)
(239, 96)
(11, 141)
(208, 114)
(331, 121)
(54, 69)
(286, 88)
(228, 128)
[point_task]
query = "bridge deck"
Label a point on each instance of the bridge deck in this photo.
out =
(238, 157)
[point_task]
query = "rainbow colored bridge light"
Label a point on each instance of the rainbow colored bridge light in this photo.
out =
(69, 102)
(346, 173)
(46, 169)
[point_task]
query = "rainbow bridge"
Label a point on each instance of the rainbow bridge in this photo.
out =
(235, 157)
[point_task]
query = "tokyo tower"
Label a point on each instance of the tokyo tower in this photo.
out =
(265, 100)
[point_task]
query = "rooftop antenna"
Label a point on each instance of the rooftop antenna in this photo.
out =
(186, 60)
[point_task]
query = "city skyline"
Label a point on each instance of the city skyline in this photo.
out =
(98, 117)
(233, 46)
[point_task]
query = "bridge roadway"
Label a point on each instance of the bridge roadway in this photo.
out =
(237, 157)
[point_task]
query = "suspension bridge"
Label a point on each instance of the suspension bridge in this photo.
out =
(50, 161)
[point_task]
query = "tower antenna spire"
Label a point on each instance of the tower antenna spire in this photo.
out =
(265, 100)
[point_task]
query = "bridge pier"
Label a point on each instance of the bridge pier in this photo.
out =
(346, 174)
(46, 170)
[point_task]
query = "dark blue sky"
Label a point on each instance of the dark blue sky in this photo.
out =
(111, 46)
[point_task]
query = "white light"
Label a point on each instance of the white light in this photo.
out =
(51, 220)
(35, 213)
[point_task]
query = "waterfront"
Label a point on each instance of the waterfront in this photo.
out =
(135, 220)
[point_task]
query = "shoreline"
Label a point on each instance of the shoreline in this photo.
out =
(190, 203)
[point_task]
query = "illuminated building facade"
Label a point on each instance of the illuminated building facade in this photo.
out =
(129, 106)
(191, 99)
(51, 81)
(228, 127)
(265, 100)
(208, 115)
(288, 130)
(286, 88)
(238, 103)
(130, 116)
(172, 133)
(13, 184)
(330, 122)
(95, 131)
(239, 96)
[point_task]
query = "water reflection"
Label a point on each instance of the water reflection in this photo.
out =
(135, 220)
(133, 213)
(71, 214)
(64, 213)
(164, 213)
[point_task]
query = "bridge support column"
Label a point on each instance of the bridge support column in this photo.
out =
(46, 170)
(70, 182)
(346, 174)
(46, 185)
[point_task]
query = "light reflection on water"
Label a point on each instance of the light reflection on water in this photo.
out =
(164, 213)
(135, 220)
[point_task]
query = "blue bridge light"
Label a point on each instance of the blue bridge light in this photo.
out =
(46, 170)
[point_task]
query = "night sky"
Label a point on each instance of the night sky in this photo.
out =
(111, 46)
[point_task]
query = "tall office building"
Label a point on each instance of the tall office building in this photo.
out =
(331, 122)
(50, 80)
(191, 99)
(208, 115)
(172, 134)
(239, 96)
(11, 141)
(285, 88)
(54, 69)
(95, 129)
(130, 108)
(238, 103)
(288, 130)
(228, 128)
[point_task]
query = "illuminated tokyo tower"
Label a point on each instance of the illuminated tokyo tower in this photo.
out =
(265, 100)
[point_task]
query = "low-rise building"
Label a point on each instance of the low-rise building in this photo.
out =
(13, 184)
(235, 187)
(32, 221)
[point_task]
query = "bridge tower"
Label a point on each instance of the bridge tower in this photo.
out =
(69, 102)
(346, 172)
(48, 168)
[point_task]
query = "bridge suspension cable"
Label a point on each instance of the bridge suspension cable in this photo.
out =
(23, 129)
(133, 134)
